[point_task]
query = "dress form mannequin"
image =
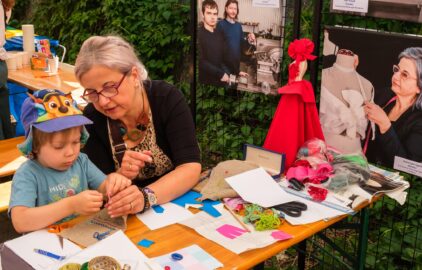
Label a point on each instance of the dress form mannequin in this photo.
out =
(296, 118)
(343, 94)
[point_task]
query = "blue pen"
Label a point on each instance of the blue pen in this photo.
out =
(49, 254)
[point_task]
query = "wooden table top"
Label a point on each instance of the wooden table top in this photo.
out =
(34, 80)
(9, 152)
(176, 236)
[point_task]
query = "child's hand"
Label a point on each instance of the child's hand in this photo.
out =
(116, 182)
(87, 202)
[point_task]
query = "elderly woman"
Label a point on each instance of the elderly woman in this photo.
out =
(142, 128)
(399, 121)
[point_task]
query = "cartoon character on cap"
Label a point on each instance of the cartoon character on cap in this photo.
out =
(50, 111)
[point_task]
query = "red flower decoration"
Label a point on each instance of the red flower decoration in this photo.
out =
(301, 49)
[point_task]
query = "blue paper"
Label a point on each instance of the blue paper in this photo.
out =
(187, 198)
(190, 198)
(208, 207)
(158, 209)
(145, 243)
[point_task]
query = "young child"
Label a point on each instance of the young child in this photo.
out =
(57, 182)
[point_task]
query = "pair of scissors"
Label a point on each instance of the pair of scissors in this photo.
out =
(57, 228)
(293, 208)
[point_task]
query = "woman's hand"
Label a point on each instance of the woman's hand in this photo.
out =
(377, 115)
(133, 162)
(87, 202)
(116, 182)
(127, 201)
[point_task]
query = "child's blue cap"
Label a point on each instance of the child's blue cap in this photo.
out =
(50, 111)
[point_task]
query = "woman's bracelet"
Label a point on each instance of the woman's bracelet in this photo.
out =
(146, 201)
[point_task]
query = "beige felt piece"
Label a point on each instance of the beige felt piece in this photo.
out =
(216, 187)
(101, 223)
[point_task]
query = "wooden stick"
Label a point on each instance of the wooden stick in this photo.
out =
(236, 217)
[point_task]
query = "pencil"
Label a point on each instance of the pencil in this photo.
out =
(236, 217)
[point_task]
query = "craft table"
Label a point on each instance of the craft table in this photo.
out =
(176, 236)
(33, 80)
(9, 152)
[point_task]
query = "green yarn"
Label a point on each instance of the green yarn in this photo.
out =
(267, 221)
(262, 219)
(252, 213)
(356, 159)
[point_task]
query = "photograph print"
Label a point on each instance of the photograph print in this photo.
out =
(240, 44)
(370, 94)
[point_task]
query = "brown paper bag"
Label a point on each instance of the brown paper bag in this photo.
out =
(94, 229)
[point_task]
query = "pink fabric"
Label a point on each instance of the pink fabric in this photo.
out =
(230, 231)
(315, 176)
(280, 235)
(299, 172)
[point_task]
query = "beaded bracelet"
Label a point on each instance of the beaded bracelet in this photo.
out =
(146, 201)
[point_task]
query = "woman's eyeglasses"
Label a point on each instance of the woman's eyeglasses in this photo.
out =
(111, 90)
(404, 75)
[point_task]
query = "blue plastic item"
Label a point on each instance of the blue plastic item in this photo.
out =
(16, 43)
(176, 256)
(17, 94)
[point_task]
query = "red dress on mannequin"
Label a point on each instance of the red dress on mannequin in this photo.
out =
(296, 118)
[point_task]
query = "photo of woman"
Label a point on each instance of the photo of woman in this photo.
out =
(386, 122)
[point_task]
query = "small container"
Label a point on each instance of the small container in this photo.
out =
(271, 161)
(11, 61)
(19, 62)
(26, 59)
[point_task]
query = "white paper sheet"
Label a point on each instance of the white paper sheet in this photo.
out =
(257, 186)
(172, 214)
(24, 247)
(266, 3)
(315, 212)
(194, 258)
(207, 225)
(354, 6)
(13, 165)
(117, 246)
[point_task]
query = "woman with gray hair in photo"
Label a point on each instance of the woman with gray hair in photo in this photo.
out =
(142, 128)
(399, 121)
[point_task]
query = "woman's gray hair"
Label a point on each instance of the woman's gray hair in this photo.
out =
(110, 51)
(415, 53)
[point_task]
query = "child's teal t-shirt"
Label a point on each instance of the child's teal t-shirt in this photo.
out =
(35, 185)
